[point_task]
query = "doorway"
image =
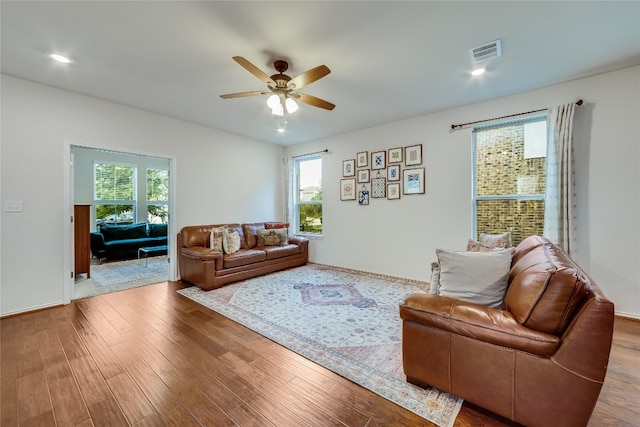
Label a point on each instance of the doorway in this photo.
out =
(141, 206)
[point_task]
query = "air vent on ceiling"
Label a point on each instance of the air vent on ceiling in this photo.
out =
(486, 51)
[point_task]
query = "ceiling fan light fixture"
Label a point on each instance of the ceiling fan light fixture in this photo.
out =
(291, 105)
(273, 101)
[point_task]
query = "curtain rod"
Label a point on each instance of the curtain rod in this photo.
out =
(579, 103)
(309, 154)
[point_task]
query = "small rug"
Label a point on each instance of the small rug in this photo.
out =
(344, 320)
(114, 273)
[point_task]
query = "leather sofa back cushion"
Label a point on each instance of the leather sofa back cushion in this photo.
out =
(546, 287)
(123, 232)
(250, 233)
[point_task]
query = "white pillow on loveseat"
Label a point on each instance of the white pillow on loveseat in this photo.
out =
(477, 277)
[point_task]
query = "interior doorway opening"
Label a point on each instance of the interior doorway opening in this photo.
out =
(136, 187)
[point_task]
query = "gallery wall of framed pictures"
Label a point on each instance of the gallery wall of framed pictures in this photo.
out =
(383, 174)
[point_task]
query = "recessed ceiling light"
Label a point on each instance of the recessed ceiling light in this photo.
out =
(60, 58)
(280, 130)
(478, 71)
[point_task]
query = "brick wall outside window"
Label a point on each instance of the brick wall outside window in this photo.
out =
(501, 169)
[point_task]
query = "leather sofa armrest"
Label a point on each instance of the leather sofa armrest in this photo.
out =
(203, 254)
(300, 241)
(475, 321)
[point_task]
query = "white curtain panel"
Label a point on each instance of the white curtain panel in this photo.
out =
(559, 215)
(289, 188)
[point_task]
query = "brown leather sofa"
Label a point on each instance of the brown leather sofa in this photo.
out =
(210, 269)
(539, 361)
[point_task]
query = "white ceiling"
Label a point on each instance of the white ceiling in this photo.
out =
(390, 60)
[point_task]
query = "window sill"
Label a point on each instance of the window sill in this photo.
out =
(310, 236)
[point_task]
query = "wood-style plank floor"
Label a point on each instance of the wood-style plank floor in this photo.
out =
(150, 357)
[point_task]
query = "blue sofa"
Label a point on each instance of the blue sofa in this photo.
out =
(123, 241)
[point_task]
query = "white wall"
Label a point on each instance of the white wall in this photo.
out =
(400, 237)
(220, 178)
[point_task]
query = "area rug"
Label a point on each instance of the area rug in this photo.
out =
(114, 273)
(344, 320)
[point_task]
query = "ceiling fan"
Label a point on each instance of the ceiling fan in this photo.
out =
(283, 89)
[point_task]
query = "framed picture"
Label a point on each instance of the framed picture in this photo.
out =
(363, 196)
(395, 155)
(349, 167)
(363, 175)
(413, 180)
(393, 173)
(393, 191)
(362, 159)
(348, 189)
(379, 160)
(378, 187)
(413, 155)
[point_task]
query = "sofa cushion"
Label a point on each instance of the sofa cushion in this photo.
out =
(273, 237)
(157, 230)
(250, 233)
(477, 277)
(244, 257)
(121, 232)
(546, 287)
(274, 252)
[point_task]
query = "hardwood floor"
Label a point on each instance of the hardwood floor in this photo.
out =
(150, 357)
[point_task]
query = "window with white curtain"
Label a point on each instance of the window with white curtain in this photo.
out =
(307, 195)
(509, 177)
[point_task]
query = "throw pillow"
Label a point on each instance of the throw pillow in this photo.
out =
(502, 240)
(231, 242)
(276, 225)
(434, 283)
(475, 246)
(273, 237)
(217, 235)
(477, 277)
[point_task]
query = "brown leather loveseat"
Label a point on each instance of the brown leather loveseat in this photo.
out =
(540, 360)
(209, 268)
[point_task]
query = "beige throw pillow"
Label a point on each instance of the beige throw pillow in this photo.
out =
(477, 277)
(231, 242)
(502, 240)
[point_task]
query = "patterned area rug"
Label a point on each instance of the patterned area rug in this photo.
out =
(110, 274)
(344, 320)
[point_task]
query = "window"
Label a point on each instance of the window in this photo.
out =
(157, 196)
(114, 197)
(509, 178)
(308, 195)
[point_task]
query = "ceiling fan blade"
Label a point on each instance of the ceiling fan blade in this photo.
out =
(312, 100)
(255, 71)
(308, 77)
(244, 94)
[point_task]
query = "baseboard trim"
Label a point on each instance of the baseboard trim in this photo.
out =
(31, 310)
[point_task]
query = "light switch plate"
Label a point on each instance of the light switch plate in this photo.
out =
(12, 206)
